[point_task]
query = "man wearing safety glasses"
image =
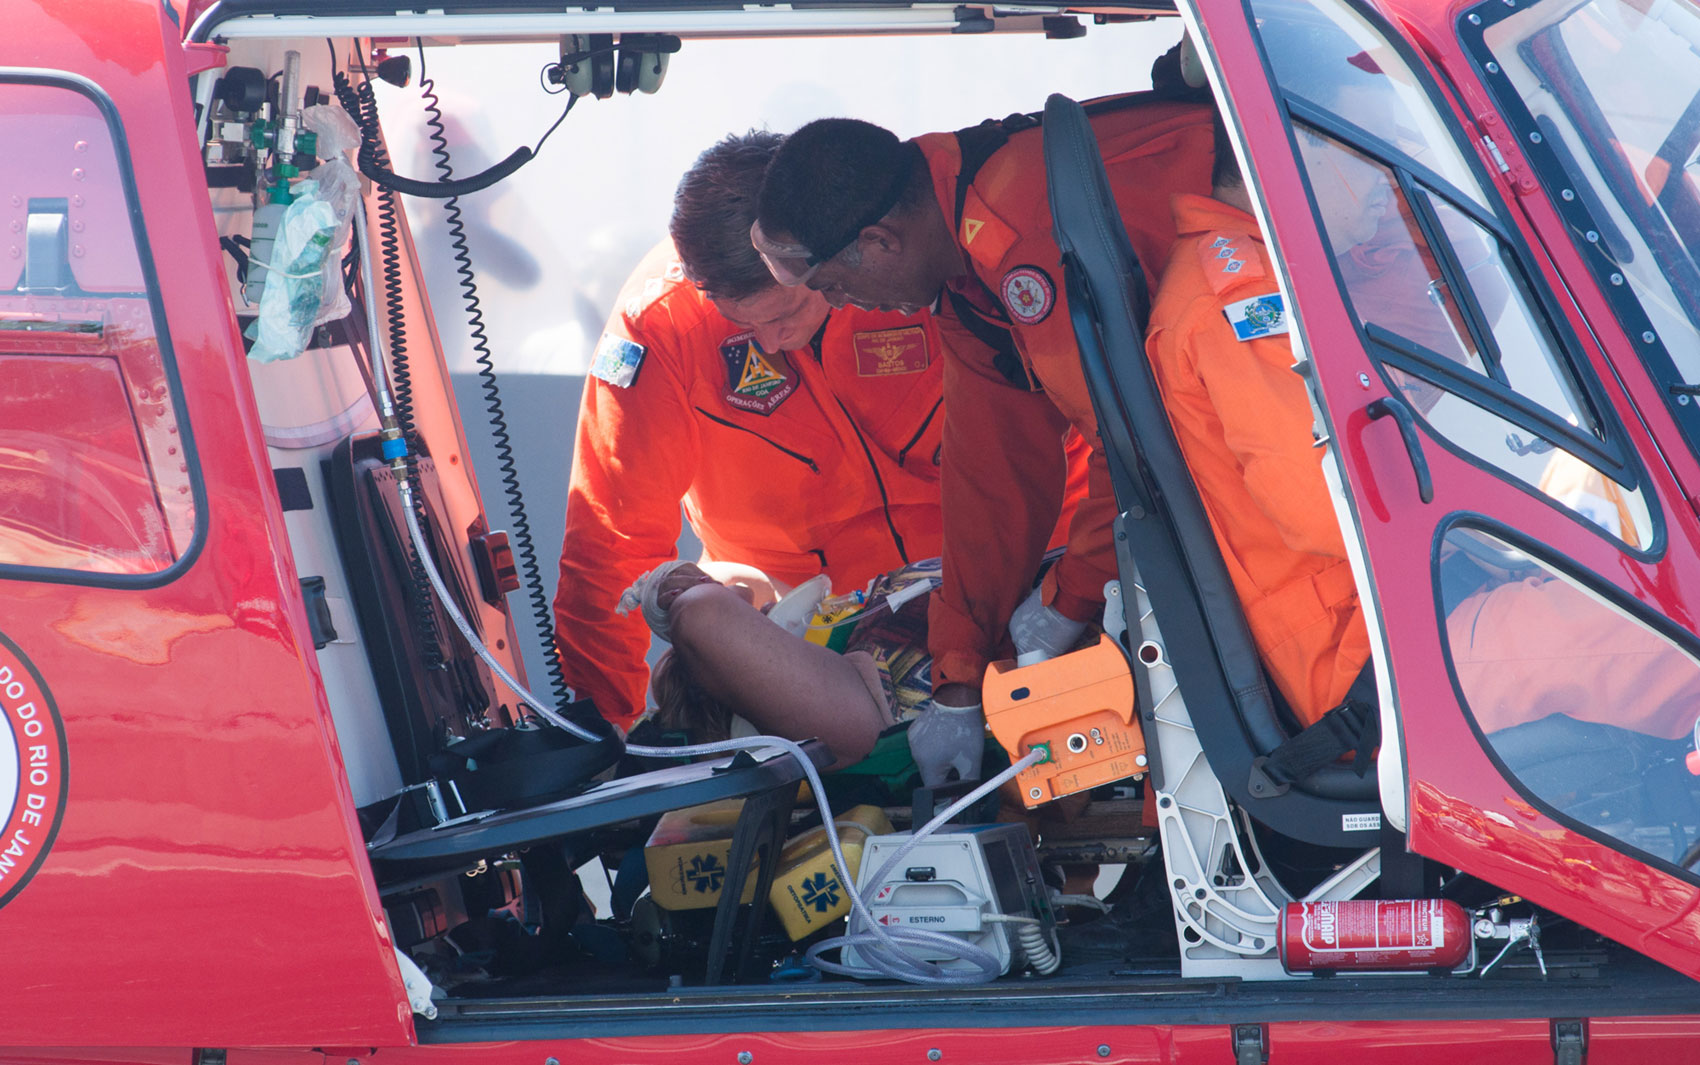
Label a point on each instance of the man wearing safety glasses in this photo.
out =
(960, 221)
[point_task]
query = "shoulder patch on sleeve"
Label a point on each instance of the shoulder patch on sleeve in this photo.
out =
(1229, 259)
(617, 360)
(1028, 294)
(1260, 316)
(983, 235)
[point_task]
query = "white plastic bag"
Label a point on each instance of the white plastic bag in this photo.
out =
(303, 285)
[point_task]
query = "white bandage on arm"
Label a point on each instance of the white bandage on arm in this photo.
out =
(642, 596)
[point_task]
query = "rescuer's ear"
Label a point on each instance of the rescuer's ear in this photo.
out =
(880, 237)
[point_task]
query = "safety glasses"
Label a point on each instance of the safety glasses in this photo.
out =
(794, 264)
(790, 264)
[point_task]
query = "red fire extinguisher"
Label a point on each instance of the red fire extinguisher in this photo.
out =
(1373, 935)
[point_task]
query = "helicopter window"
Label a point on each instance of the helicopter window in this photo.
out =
(1618, 158)
(1431, 272)
(1329, 59)
(1458, 334)
(1588, 709)
(94, 472)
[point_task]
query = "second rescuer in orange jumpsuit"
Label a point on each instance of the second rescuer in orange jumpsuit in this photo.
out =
(800, 442)
(1522, 649)
(1242, 421)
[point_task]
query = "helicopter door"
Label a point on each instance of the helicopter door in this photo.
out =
(1515, 523)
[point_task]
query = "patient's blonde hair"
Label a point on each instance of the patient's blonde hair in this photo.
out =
(682, 706)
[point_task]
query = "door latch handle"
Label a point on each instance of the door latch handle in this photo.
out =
(1390, 405)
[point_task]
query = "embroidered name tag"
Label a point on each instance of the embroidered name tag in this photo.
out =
(891, 351)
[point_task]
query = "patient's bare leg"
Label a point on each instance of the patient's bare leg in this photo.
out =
(782, 683)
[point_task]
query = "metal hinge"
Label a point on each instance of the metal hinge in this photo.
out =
(1570, 1042)
(1498, 157)
(1251, 1044)
(1513, 168)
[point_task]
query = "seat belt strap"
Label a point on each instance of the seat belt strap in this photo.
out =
(1353, 727)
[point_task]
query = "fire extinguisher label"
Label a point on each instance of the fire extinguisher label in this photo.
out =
(1374, 935)
(1403, 926)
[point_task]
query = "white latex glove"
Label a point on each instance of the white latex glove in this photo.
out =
(1037, 627)
(946, 738)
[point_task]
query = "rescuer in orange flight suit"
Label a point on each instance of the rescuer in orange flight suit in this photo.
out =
(1218, 347)
(822, 456)
(1522, 650)
(865, 219)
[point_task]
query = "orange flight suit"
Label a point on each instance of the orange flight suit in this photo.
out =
(1243, 422)
(1001, 446)
(797, 463)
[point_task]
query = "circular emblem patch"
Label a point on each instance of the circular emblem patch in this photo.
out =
(1263, 314)
(33, 776)
(1028, 294)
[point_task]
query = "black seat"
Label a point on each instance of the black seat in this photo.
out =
(1166, 532)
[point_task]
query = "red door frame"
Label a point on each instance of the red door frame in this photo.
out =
(208, 884)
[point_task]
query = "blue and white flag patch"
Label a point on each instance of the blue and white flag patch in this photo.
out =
(1260, 316)
(616, 361)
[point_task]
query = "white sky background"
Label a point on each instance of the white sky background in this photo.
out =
(553, 243)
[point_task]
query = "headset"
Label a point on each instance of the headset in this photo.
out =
(593, 65)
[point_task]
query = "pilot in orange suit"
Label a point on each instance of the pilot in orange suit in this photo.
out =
(1218, 347)
(865, 219)
(1522, 650)
(800, 441)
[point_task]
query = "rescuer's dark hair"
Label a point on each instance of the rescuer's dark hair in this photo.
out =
(836, 176)
(712, 212)
(1225, 169)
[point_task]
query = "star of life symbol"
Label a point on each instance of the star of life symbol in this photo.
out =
(821, 892)
(705, 873)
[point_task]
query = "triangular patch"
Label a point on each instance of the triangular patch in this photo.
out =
(755, 382)
(758, 375)
(991, 238)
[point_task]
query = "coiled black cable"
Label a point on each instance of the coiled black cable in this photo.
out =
(362, 106)
(524, 550)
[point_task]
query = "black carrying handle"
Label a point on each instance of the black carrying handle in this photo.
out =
(1407, 422)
